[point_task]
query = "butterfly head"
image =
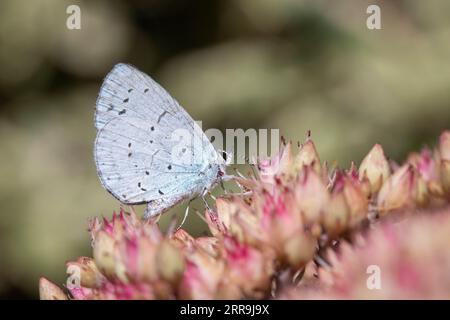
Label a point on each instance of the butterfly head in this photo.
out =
(225, 159)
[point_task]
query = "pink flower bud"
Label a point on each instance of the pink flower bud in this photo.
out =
(444, 145)
(201, 277)
(356, 200)
(104, 252)
(182, 239)
(280, 219)
(445, 176)
(307, 156)
(87, 270)
(246, 267)
(375, 167)
(268, 169)
(193, 286)
(286, 161)
(237, 218)
(279, 165)
(170, 262)
(398, 191)
(337, 215)
(299, 249)
(444, 150)
(145, 260)
(312, 196)
(209, 244)
(80, 293)
(50, 291)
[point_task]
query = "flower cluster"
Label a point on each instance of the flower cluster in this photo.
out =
(407, 260)
(280, 230)
(133, 259)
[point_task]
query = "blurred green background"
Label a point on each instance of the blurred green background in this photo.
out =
(288, 64)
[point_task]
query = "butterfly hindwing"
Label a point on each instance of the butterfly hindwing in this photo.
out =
(135, 163)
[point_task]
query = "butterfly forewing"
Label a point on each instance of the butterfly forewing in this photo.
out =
(127, 92)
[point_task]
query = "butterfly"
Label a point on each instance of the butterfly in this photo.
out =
(148, 149)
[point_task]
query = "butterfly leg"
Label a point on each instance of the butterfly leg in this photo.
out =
(204, 193)
(227, 177)
(213, 215)
(186, 212)
(223, 186)
(212, 196)
(239, 173)
(206, 204)
(157, 218)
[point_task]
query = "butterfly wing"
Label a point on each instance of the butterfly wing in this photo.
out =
(137, 157)
(128, 92)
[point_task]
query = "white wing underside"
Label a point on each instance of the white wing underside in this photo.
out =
(135, 118)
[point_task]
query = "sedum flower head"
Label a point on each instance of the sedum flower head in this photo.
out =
(300, 229)
(395, 261)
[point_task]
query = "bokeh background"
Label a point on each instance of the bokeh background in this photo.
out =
(288, 64)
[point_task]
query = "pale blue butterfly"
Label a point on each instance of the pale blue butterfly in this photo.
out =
(134, 149)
